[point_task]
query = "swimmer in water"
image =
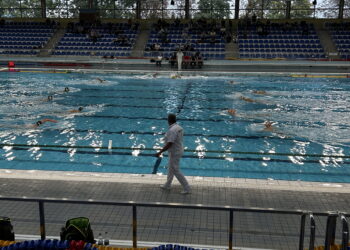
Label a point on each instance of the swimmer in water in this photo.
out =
(268, 126)
(175, 76)
(232, 112)
(259, 92)
(247, 99)
(66, 89)
(49, 98)
(76, 110)
(100, 80)
(39, 123)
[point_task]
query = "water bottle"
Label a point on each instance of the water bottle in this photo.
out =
(100, 239)
(106, 241)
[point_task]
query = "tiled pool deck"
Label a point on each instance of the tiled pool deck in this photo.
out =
(183, 226)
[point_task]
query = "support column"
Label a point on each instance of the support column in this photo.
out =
(288, 7)
(187, 9)
(90, 4)
(138, 9)
(237, 9)
(43, 8)
(341, 9)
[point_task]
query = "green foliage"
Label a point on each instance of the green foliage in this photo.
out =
(276, 9)
(14, 12)
(213, 9)
(301, 9)
(30, 8)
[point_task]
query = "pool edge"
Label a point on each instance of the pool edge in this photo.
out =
(195, 181)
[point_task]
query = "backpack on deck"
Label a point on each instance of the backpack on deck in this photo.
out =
(78, 229)
(6, 229)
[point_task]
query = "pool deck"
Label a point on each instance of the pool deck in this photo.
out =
(204, 228)
(210, 66)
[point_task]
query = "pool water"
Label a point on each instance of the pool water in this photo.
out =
(309, 141)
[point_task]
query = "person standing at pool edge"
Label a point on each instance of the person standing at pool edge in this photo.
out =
(179, 56)
(173, 143)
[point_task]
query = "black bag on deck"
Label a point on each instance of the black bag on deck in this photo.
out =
(6, 229)
(78, 229)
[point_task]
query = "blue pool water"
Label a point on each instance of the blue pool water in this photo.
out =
(310, 116)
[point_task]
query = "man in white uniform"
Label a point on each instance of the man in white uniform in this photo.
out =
(173, 143)
(179, 56)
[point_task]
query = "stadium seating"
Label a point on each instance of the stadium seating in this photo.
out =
(75, 43)
(290, 41)
(340, 33)
(175, 40)
(24, 38)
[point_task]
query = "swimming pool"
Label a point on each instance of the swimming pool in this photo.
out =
(310, 138)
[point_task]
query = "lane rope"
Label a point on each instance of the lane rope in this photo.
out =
(186, 150)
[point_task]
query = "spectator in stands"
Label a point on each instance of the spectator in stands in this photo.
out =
(229, 37)
(199, 59)
(212, 40)
(185, 35)
(177, 22)
(48, 21)
(186, 61)
(121, 40)
(2, 22)
(117, 32)
(259, 29)
(79, 29)
(159, 59)
(305, 28)
(203, 37)
(188, 47)
(288, 26)
(94, 35)
(157, 47)
(163, 35)
(254, 18)
(110, 28)
(212, 34)
(135, 26)
(193, 61)
(223, 31)
(172, 59)
(129, 22)
(40, 46)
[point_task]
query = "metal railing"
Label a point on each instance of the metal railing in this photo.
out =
(330, 230)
